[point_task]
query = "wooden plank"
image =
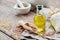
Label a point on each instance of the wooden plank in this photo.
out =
(7, 13)
(4, 37)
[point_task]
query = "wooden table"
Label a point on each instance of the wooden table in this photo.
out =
(7, 13)
(4, 37)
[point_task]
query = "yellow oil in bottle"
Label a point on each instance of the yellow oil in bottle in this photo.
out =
(40, 22)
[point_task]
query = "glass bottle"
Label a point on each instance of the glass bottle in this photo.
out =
(40, 21)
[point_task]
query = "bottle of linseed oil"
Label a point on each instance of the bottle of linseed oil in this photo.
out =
(40, 21)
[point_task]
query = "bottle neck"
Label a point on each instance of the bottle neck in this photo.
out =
(38, 8)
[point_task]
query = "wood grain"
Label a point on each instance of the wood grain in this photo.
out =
(7, 13)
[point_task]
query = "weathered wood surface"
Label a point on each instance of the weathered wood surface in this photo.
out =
(4, 37)
(7, 13)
